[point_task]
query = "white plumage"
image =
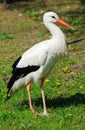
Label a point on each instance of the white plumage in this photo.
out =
(36, 63)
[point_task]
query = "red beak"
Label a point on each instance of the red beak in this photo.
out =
(61, 22)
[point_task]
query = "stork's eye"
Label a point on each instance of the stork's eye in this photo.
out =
(53, 17)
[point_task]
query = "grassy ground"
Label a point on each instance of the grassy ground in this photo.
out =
(20, 28)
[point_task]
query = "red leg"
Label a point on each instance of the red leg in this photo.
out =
(29, 96)
(43, 97)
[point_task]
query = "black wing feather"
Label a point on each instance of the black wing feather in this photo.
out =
(20, 73)
(15, 64)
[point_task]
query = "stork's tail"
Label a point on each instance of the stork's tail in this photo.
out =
(8, 97)
(9, 86)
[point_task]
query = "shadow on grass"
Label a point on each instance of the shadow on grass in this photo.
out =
(61, 101)
(76, 99)
(26, 5)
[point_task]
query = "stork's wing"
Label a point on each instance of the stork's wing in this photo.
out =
(15, 64)
(36, 56)
(20, 73)
(29, 62)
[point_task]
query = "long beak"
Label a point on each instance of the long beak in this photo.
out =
(61, 22)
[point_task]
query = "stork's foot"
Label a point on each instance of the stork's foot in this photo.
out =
(34, 112)
(45, 113)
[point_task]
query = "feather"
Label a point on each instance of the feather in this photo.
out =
(15, 63)
(20, 73)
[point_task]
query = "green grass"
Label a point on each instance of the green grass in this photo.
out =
(65, 87)
(4, 36)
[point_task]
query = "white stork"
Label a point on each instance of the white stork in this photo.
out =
(36, 63)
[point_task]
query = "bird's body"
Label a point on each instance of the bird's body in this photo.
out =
(36, 63)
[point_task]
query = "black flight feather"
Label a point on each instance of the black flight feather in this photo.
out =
(15, 64)
(20, 73)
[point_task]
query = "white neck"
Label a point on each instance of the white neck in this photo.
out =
(58, 39)
(54, 30)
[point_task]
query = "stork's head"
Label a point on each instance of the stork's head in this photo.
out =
(51, 17)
